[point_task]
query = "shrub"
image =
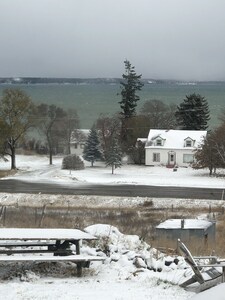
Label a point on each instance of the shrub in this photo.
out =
(72, 162)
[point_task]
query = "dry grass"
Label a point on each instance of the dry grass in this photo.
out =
(4, 173)
(220, 236)
(140, 220)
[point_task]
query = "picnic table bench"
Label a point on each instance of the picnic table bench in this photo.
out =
(44, 244)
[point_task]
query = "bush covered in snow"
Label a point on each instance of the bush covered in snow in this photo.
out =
(72, 162)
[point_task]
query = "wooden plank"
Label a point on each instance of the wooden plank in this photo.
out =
(18, 243)
(204, 286)
(223, 274)
(74, 258)
(205, 257)
(190, 260)
(217, 265)
(44, 234)
(36, 251)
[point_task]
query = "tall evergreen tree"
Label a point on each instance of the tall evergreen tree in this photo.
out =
(114, 155)
(130, 85)
(193, 113)
(92, 147)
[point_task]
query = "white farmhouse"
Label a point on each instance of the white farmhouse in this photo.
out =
(78, 140)
(172, 147)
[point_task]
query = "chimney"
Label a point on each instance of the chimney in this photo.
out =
(182, 224)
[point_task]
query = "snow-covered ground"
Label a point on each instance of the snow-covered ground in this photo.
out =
(119, 278)
(36, 168)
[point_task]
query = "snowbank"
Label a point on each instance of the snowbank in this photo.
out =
(137, 254)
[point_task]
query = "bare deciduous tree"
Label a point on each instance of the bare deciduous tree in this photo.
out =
(160, 115)
(17, 116)
(211, 154)
(52, 122)
(107, 128)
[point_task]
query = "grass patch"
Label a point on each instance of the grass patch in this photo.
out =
(5, 173)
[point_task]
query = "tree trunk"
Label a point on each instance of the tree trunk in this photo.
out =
(13, 158)
(112, 168)
(210, 171)
(12, 147)
(50, 148)
(123, 133)
(50, 156)
(68, 149)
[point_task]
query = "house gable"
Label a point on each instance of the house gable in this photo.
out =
(189, 142)
(158, 141)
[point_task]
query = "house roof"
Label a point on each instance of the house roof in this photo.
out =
(174, 139)
(79, 135)
(143, 140)
(188, 224)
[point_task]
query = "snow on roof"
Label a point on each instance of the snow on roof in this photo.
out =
(174, 139)
(188, 224)
(79, 135)
(143, 140)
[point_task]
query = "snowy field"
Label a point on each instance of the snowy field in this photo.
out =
(36, 168)
(119, 278)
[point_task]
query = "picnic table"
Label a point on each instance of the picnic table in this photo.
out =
(44, 244)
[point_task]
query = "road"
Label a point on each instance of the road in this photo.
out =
(125, 190)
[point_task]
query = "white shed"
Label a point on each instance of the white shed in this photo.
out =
(193, 232)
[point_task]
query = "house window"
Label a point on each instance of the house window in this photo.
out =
(75, 145)
(156, 157)
(188, 143)
(158, 142)
(188, 158)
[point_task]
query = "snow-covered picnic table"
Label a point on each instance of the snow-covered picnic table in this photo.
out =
(44, 244)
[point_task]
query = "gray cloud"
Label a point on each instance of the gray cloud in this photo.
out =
(180, 39)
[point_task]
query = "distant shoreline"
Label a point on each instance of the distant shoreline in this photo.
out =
(55, 80)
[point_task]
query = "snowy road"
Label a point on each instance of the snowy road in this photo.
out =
(128, 190)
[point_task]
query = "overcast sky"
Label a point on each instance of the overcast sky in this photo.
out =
(174, 39)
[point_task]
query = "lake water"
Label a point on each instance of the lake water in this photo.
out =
(90, 100)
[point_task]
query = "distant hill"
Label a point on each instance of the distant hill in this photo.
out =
(48, 80)
(43, 80)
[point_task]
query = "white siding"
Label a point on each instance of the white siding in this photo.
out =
(164, 156)
(79, 150)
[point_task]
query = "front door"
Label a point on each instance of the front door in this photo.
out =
(171, 158)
